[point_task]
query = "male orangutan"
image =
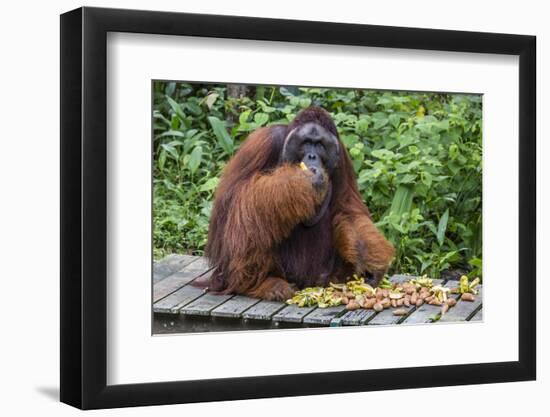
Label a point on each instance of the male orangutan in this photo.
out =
(278, 225)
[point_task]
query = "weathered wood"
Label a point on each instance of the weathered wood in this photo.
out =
(173, 294)
(178, 279)
(478, 316)
(426, 312)
(323, 316)
(464, 310)
(234, 307)
(293, 313)
(170, 264)
(386, 316)
(202, 306)
(264, 310)
(357, 317)
(179, 298)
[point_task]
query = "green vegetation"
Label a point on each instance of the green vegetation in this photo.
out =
(417, 157)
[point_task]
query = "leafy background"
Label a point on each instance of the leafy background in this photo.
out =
(417, 156)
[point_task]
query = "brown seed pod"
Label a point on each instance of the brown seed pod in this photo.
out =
(378, 307)
(369, 303)
(400, 302)
(399, 312)
(407, 301)
(434, 302)
(444, 309)
(419, 302)
(386, 303)
(414, 297)
(352, 305)
(451, 302)
(345, 300)
(468, 297)
(393, 303)
(428, 299)
(386, 292)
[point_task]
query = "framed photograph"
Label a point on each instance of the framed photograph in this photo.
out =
(256, 208)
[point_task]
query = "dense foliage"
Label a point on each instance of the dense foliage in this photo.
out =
(417, 157)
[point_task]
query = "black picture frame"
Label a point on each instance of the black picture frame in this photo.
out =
(84, 207)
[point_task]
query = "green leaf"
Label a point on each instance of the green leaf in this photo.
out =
(176, 133)
(175, 107)
(193, 108)
(210, 184)
(402, 200)
(224, 140)
(407, 179)
(426, 178)
(261, 119)
(162, 159)
(195, 159)
(243, 117)
(394, 119)
(171, 150)
(442, 227)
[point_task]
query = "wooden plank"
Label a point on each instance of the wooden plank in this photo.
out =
(464, 310)
(170, 264)
(203, 306)
(324, 316)
(357, 317)
(478, 316)
(426, 312)
(292, 313)
(177, 280)
(173, 302)
(386, 317)
(264, 310)
(234, 307)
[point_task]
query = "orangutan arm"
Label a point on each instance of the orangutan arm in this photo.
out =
(271, 205)
(361, 244)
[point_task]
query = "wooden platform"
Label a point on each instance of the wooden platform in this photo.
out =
(180, 307)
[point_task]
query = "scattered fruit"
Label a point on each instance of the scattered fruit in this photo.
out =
(468, 297)
(451, 302)
(356, 294)
(465, 286)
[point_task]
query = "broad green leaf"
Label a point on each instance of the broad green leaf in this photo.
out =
(210, 184)
(224, 139)
(261, 119)
(195, 159)
(177, 133)
(402, 200)
(162, 159)
(171, 150)
(243, 117)
(442, 227)
(175, 107)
